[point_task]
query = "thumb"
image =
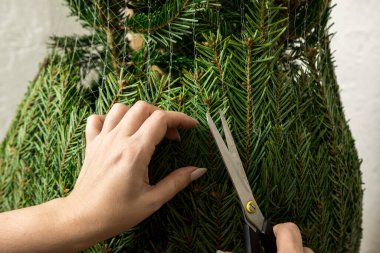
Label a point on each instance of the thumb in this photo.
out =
(175, 182)
(288, 238)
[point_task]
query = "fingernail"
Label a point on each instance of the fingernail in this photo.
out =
(219, 251)
(197, 173)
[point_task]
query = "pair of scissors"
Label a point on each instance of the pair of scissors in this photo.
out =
(258, 232)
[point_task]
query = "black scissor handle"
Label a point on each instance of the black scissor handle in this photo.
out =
(251, 240)
(265, 238)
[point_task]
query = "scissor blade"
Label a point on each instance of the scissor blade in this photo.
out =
(234, 152)
(238, 177)
(230, 141)
(232, 147)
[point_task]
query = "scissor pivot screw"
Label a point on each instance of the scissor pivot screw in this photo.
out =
(251, 207)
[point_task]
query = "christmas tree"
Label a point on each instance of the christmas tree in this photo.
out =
(266, 64)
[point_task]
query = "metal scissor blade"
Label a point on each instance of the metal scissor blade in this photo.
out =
(230, 141)
(236, 171)
(234, 152)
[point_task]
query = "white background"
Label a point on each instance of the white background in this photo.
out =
(25, 27)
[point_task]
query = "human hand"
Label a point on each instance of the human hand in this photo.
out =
(113, 193)
(288, 239)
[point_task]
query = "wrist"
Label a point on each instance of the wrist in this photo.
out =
(80, 229)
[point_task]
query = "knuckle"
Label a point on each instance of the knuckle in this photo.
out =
(92, 121)
(92, 118)
(141, 105)
(159, 115)
(119, 107)
(291, 227)
(287, 227)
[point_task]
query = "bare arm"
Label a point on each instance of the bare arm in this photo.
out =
(48, 227)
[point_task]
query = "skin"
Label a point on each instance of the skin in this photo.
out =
(288, 239)
(112, 193)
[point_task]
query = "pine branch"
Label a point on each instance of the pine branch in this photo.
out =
(170, 22)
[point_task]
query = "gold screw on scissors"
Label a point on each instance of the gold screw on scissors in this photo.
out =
(250, 207)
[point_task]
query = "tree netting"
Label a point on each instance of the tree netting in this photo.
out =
(266, 64)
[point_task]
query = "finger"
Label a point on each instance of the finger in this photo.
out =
(156, 126)
(175, 182)
(135, 117)
(114, 116)
(288, 238)
(307, 250)
(94, 126)
(173, 134)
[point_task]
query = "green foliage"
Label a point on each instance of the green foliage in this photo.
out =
(266, 64)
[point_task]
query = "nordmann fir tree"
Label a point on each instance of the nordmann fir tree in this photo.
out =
(266, 63)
